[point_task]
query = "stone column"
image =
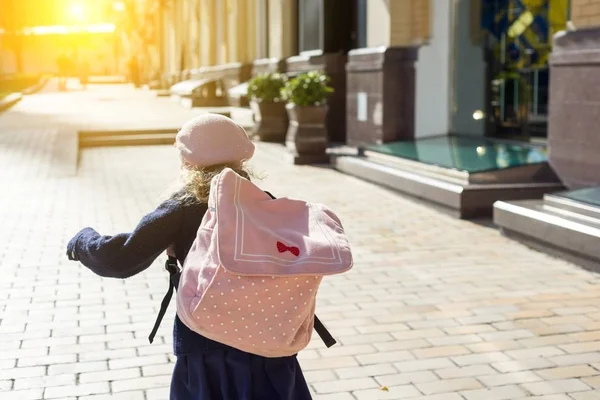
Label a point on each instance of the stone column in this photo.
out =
(574, 104)
(283, 28)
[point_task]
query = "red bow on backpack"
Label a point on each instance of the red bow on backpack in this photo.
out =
(283, 248)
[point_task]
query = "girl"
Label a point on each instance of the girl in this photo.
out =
(205, 369)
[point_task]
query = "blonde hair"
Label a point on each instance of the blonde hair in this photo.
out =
(196, 181)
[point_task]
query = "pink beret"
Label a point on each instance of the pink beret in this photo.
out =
(213, 139)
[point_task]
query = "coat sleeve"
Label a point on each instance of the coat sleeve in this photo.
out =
(126, 254)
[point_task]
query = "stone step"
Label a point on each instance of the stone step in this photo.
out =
(558, 231)
(125, 132)
(127, 140)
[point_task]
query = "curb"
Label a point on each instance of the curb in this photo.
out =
(10, 100)
(13, 98)
(37, 87)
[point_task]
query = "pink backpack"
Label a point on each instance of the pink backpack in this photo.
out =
(251, 277)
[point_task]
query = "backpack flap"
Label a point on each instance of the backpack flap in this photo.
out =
(257, 235)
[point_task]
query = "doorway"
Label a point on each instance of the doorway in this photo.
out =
(517, 46)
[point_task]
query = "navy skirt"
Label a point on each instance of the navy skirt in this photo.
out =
(208, 370)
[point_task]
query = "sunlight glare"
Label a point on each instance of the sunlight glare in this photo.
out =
(76, 10)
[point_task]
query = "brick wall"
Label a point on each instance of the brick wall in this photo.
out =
(585, 13)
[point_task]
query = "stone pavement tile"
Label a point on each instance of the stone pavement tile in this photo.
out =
(345, 385)
(309, 354)
(384, 357)
(509, 378)
(418, 334)
(406, 378)
(156, 394)
(576, 359)
(441, 396)
(491, 347)
(469, 329)
(586, 336)
(549, 397)
(440, 351)
(107, 376)
(556, 386)
(160, 369)
(29, 394)
(548, 351)
(574, 371)
(141, 383)
(481, 358)
(557, 329)
(333, 396)
(393, 392)
(449, 385)
(523, 365)
(402, 345)
(365, 338)
(542, 341)
(136, 361)
(366, 371)
(590, 395)
(44, 381)
(137, 395)
(593, 381)
(581, 347)
(328, 363)
(85, 389)
(47, 360)
(100, 355)
(455, 340)
(499, 393)
(77, 367)
(466, 372)
(26, 372)
(350, 350)
(499, 336)
(7, 363)
(371, 327)
(424, 365)
(573, 310)
(319, 376)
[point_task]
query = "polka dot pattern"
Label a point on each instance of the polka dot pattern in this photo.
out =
(267, 315)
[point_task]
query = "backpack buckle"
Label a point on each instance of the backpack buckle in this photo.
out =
(171, 265)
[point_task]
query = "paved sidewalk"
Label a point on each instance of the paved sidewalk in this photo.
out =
(435, 308)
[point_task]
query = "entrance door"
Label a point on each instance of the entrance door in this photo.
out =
(518, 43)
(330, 25)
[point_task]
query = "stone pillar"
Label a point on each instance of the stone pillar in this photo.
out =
(380, 95)
(574, 104)
(283, 28)
(208, 38)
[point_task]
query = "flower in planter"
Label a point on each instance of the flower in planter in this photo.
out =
(309, 89)
(266, 88)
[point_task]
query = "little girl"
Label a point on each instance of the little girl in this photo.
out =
(205, 369)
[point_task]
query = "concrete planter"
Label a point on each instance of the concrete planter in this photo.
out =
(271, 121)
(307, 138)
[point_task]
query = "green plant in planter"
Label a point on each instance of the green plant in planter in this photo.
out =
(309, 89)
(267, 87)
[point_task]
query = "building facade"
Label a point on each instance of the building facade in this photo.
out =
(200, 33)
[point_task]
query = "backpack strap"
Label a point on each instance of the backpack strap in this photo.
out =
(174, 275)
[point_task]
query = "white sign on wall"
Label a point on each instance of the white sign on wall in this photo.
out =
(362, 106)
